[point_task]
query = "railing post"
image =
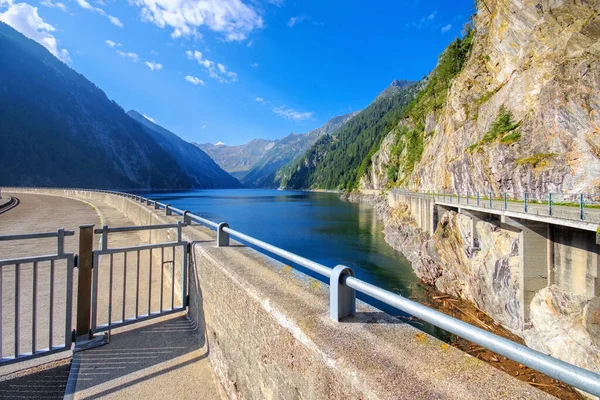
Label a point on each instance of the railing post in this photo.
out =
(168, 210)
(342, 299)
(180, 225)
(84, 285)
(60, 250)
(525, 201)
(505, 202)
(104, 237)
(156, 206)
(549, 203)
(458, 197)
(581, 216)
(187, 220)
(222, 236)
(147, 202)
(477, 199)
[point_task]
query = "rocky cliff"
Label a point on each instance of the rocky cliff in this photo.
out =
(523, 114)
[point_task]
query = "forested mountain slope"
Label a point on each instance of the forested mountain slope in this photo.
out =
(58, 129)
(335, 161)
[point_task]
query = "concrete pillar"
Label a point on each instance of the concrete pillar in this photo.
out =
(550, 254)
(533, 253)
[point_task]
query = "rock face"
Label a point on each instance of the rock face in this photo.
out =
(539, 61)
(565, 326)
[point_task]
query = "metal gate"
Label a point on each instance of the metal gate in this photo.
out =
(32, 317)
(136, 283)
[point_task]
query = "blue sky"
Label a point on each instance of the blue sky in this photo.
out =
(234, 70)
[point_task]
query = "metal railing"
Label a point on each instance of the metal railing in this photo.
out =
(30, 269)
(344, 285)
(571, 206)
(132, 310)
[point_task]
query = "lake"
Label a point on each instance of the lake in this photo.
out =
(318, 226)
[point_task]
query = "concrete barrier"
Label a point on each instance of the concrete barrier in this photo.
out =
(270, 335)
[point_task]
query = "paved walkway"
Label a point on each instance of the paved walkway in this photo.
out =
(153, 360)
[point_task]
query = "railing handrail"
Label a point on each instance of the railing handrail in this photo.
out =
(135, 228)
(573, 375)
(40, 235)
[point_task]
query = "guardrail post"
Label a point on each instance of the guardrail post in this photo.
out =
(342, 299)
(477, 199)
(505, 202)
(84, 285)
(187, 220)
(147, 202)
(222, 236)
(549, 203)
(581, 207)
(525, 201)
(156, 206)
(168, 210)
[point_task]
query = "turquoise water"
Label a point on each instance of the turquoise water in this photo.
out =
(318, 226)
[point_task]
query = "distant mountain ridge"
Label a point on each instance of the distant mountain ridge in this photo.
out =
(201, 169)
(58, 129)
(259, 162)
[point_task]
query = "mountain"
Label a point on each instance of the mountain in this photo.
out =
(237, 160)
(200, 168)
(58, 129)
(261, 163)
(335, 161)
(520, 115)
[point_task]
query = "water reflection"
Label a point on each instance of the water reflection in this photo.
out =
(318, 226)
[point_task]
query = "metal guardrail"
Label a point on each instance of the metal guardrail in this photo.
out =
(343, 287)
(571, 206)
(18, 297)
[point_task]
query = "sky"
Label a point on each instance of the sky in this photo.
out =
(234, 70)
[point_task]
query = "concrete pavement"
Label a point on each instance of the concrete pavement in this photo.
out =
(149, 365)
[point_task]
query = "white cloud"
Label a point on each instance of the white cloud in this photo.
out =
(250, 43)
(424, 22)
(277, 3)
(153, 52)
(132, 56)
(87, 6)
(115, 21)
(291, 114)
(255, 65)
(203, 126)
(110, 43)
(220, 144)
(294, 20)
(59, 5)
(446, 28)
(216, 71)
(25, 19)
(287, 113)
(148, 118)
(194, 80)
(234, 19)
(154, 66)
